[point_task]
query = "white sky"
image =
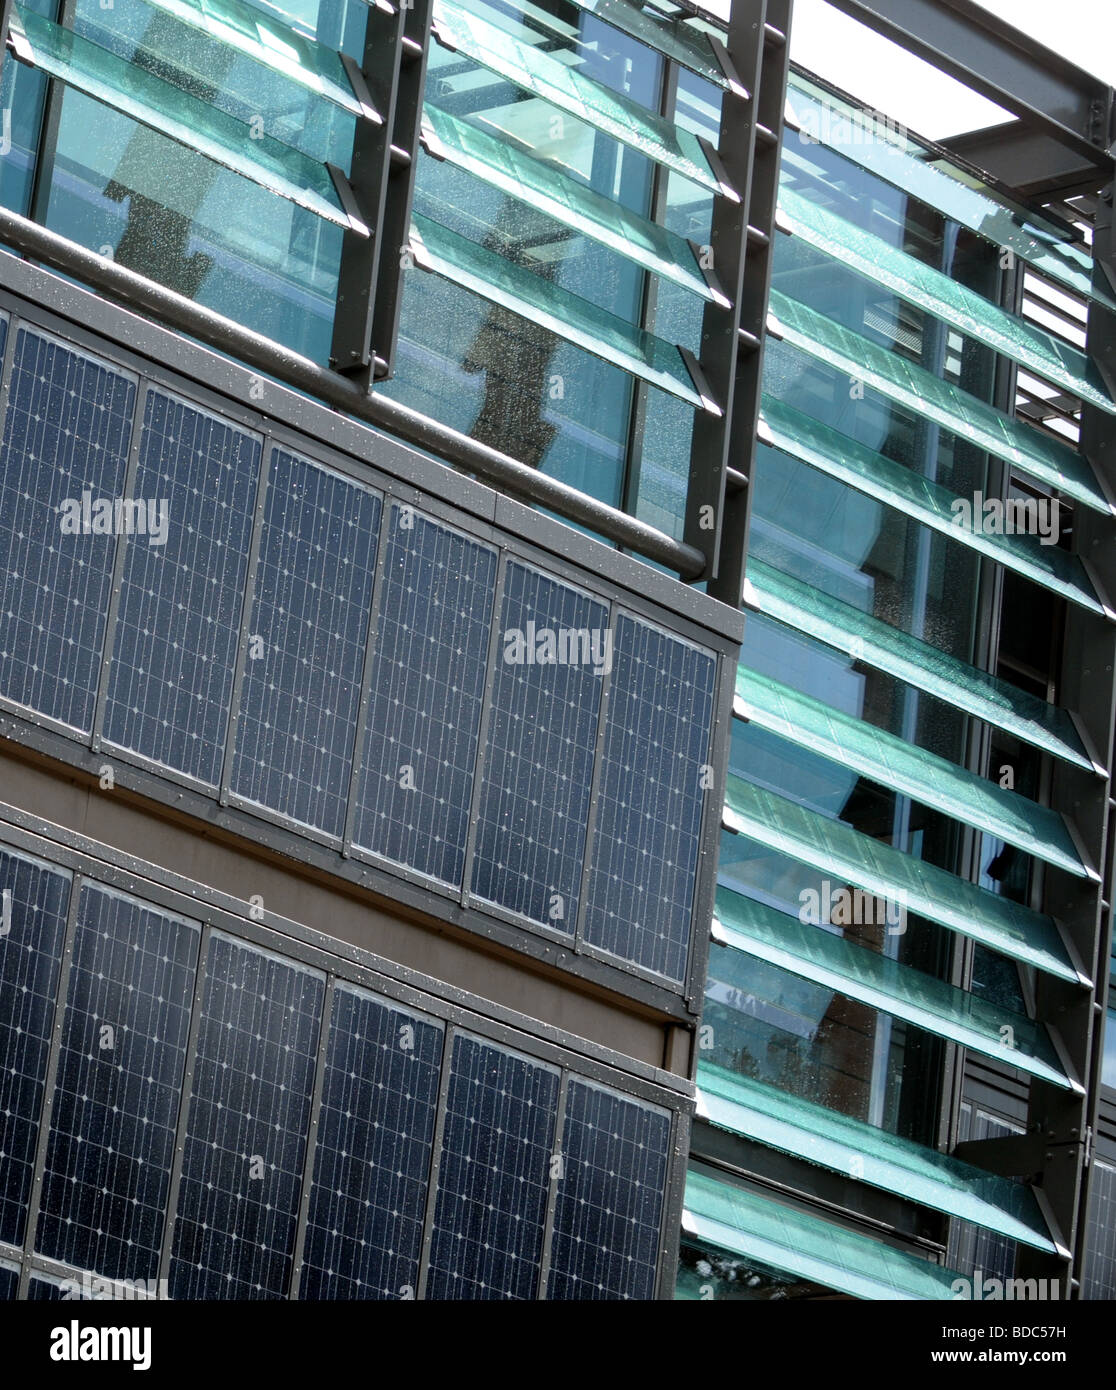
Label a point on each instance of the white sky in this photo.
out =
(910, 91)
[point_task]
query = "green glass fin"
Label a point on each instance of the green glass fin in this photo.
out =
(167, 109)
(553, 192)
(831, 1140)
(689, 48)
(825, 958)
(553, 308)
(743, 1223)
(946, 299)
(865, 638)
(1049, 460)
(609, 112)
(920, 888)
(893, 762)
(826, 449)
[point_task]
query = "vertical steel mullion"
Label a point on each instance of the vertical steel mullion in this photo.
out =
(674, 1200)
(184, 1108)
(481, 759)
(555, 1181)
(594, 788)
(245, 636)
(14, 324)
(42, 177)
(108, 646)
(312, 1138)
(435, 1160)
(371, 641)
(46, 1110)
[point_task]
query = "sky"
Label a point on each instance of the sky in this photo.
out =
(910, 91)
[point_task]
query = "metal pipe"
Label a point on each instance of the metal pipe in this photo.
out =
(176, 311)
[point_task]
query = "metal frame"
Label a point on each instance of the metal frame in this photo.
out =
(455, 1009)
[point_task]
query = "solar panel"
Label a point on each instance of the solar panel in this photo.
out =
(106, 1177)
(608, 1216)
(539, 760)
(45, 1288)
(650, 796)
(9, 1282)
(35, 901)
(249, 1114)
(493, 1175)
(372, 1160)
(301, 685)
(424, 704)
(66, 434)
(180, 603)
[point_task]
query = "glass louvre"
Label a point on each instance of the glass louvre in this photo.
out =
(168, 110)
(847, 459)
(689, 48)
(252, 32)
(743, 1223)
(824, 957)
(550, 307)
(944, 297)
(511, 170)
(545, 77)
(883, 150)
(888, 1161)
(921, 888)
(893, 762)
(1052, 462)
(907, 658)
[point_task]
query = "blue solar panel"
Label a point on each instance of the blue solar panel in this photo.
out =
(9, 1283)
(645, 846)
(43, 1288)
(180, 604)
(424, 705)
(301, 688)
(116, 1099)
(372, 1161)
(539, 760)
(609, 1212)
(494, 1174)
(246, 1136)
(34, 904)
(66, 433)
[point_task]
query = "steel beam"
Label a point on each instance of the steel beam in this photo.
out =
(1028, 161)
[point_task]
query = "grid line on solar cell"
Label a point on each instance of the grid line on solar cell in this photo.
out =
(30, 960)
(608, 1215)
(249, 1114)
(372, 1160)
(493, 1174)
(639, 900)
(106, 1176)
(313, 587)
(9, 1282)
(66, 431)
(178, 624)
(425, 694)
(538, 760)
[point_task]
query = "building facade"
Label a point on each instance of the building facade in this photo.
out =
(556, 680)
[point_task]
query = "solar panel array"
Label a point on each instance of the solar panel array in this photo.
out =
(649, 803)
(302, 671)
(534, 799)
(36, 899)
(246, 1134)
(106, 1177)
(9, 1282)
(372, 1158)
(424, 701)
(66, 433)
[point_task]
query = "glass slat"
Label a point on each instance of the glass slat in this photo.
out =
(826, 449)
(883, 1160)
(923, 889)
(554, 308)
(946, 299)
(167, 109)
(828, 959)
(895, 763)
(1050, 461)
(690, 49)
(865, 638)
(742, 1223)
(544, 77)
(500, 164)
